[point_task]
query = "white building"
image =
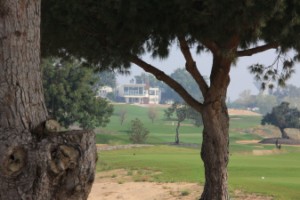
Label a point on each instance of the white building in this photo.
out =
(139, 93)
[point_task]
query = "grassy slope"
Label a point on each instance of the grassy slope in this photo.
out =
(161, 131)
(277, 175)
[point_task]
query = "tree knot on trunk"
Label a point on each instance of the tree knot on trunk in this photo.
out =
(63, 157)
(14, 161)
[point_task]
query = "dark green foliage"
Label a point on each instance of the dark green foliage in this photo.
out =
(267, 75)
(70, 96)
(109, 31)
(283, 117)
(138, 133)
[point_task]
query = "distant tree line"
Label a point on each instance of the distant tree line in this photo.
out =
(266, 100)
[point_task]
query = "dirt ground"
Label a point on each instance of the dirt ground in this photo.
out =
(123, 185)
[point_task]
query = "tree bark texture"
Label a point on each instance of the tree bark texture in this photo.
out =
(215, 145)
(214, 152)
(35, 163)
(60, 166)
(22, 104)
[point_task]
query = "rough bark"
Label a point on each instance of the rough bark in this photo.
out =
(22, 104)
(58, 167)
(214, 152)
(36, 162)
(215, 145)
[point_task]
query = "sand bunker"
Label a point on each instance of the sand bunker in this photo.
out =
(247, 141)
(242, 112)
(266, 152)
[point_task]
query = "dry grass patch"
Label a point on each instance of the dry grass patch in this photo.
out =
(120, 184)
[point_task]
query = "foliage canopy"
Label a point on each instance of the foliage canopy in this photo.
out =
(70, 95)
(111, 32)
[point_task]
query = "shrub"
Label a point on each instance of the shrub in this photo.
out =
(185, 193)
(138, 133)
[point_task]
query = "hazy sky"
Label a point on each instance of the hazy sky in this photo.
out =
(241, 79)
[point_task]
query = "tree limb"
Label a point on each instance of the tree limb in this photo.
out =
(212, 46)
(191, 65)
(250, 52)
(160, 75)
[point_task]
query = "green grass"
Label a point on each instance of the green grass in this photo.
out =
(244, 122)
(280, 172)
(158, 158)
(275, 175)
(163, 131)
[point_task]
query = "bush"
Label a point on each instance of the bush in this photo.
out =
(138, 133)
(70, 94)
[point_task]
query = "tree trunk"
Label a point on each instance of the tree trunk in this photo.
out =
(214, 152)
(36, 162)
(215, 145)
(177, 133)
(284, 134)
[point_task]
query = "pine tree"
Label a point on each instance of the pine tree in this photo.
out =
(37, 162)
(116, 33)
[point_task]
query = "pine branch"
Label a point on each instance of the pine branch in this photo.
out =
(250, 52)
(191, 65)
(160, 75)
